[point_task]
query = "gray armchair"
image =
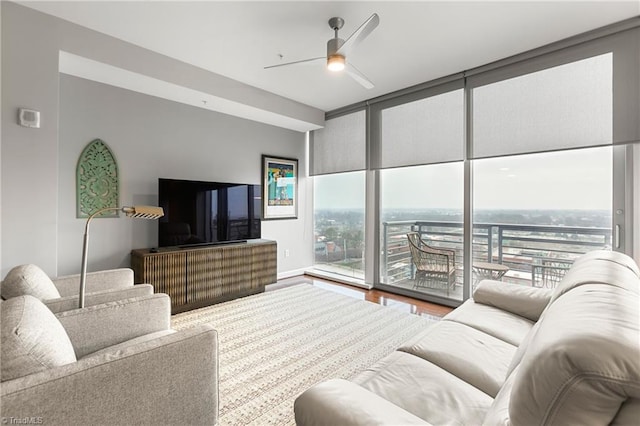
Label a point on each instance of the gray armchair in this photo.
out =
(114, 363)
(61, 293)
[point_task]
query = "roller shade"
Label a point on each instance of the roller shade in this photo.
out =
(569, 106)
(340, 146)
(588, 95)
(424, 131)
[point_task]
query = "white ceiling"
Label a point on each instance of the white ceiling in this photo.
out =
(415, 42)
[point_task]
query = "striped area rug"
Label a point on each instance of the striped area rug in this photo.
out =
(274, 345)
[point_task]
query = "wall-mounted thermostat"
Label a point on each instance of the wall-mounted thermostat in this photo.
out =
(29, 118)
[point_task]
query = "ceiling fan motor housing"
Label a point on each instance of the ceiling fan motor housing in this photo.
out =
(333, 45)
(336, 23)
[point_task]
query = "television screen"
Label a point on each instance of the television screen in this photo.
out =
(199, 213)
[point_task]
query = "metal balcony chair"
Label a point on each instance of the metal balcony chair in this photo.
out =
(435, 267)
(549, 272)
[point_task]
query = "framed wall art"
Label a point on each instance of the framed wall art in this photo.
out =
(279, 188)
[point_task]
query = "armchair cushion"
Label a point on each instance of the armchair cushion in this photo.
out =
(28, 279)
(108, 279)
(32, 338)
(67, 303)
(93, 328)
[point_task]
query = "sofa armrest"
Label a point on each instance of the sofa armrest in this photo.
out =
(169, 380)
(340, 402)
(96, 327)
(527, 302)
(71, 302)
(69, 285)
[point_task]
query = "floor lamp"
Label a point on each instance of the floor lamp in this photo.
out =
(139, 212)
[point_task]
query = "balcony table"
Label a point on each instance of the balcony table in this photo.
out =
(491, 271)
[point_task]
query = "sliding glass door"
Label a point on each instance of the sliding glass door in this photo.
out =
(421, 174)
(534, 214)
(427, 200)
(339, 224)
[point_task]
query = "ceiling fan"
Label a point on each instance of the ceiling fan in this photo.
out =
(338, 49)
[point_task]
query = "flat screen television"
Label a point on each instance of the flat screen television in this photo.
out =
(205, 213)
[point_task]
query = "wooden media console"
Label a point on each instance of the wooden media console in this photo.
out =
(201, 276)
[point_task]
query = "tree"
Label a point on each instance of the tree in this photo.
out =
(331, 233)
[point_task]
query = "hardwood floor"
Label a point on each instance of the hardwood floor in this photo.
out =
(406, 304)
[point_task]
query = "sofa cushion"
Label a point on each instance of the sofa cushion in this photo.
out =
(501, 324)
(32, 338)
(498, 414)
(596, 271)
(340, 402)
(628, 414)
(610, 256)
(528, 302)
(28, 279)
(581, 364)
(475, 357)
(522, 349)
(425, 390)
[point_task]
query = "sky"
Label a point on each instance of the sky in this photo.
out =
(575, 179)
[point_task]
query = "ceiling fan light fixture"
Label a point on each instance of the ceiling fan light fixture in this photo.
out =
(338, 50)
(335, 63)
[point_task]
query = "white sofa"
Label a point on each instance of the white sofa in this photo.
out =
(512, 355)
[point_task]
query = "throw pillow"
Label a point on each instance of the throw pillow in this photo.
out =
(31, 280)
(33, 339)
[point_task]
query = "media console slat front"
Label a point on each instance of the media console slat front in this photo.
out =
(196, 277)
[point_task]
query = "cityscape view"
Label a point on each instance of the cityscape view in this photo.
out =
(520, 239)
(532, 213)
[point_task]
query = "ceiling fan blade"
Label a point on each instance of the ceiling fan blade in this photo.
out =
(354, 73)
(359, 34)
(301, 62)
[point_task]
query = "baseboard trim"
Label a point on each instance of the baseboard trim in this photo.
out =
(338, 278)
(326, 275)
(292, 273)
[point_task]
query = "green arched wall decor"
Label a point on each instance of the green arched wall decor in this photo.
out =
(96, 180)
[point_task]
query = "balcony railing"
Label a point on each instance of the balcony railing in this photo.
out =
(533, 253)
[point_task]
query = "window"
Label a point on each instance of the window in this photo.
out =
(428, 200)
(519, 163)
(339, 223)
(421, 187)
(537, 213)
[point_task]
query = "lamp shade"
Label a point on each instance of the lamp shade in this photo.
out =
(144, 212)
(138, 212)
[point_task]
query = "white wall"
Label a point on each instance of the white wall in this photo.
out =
(29, 156)
(37, 196)
(152, 138)
(636, 203)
